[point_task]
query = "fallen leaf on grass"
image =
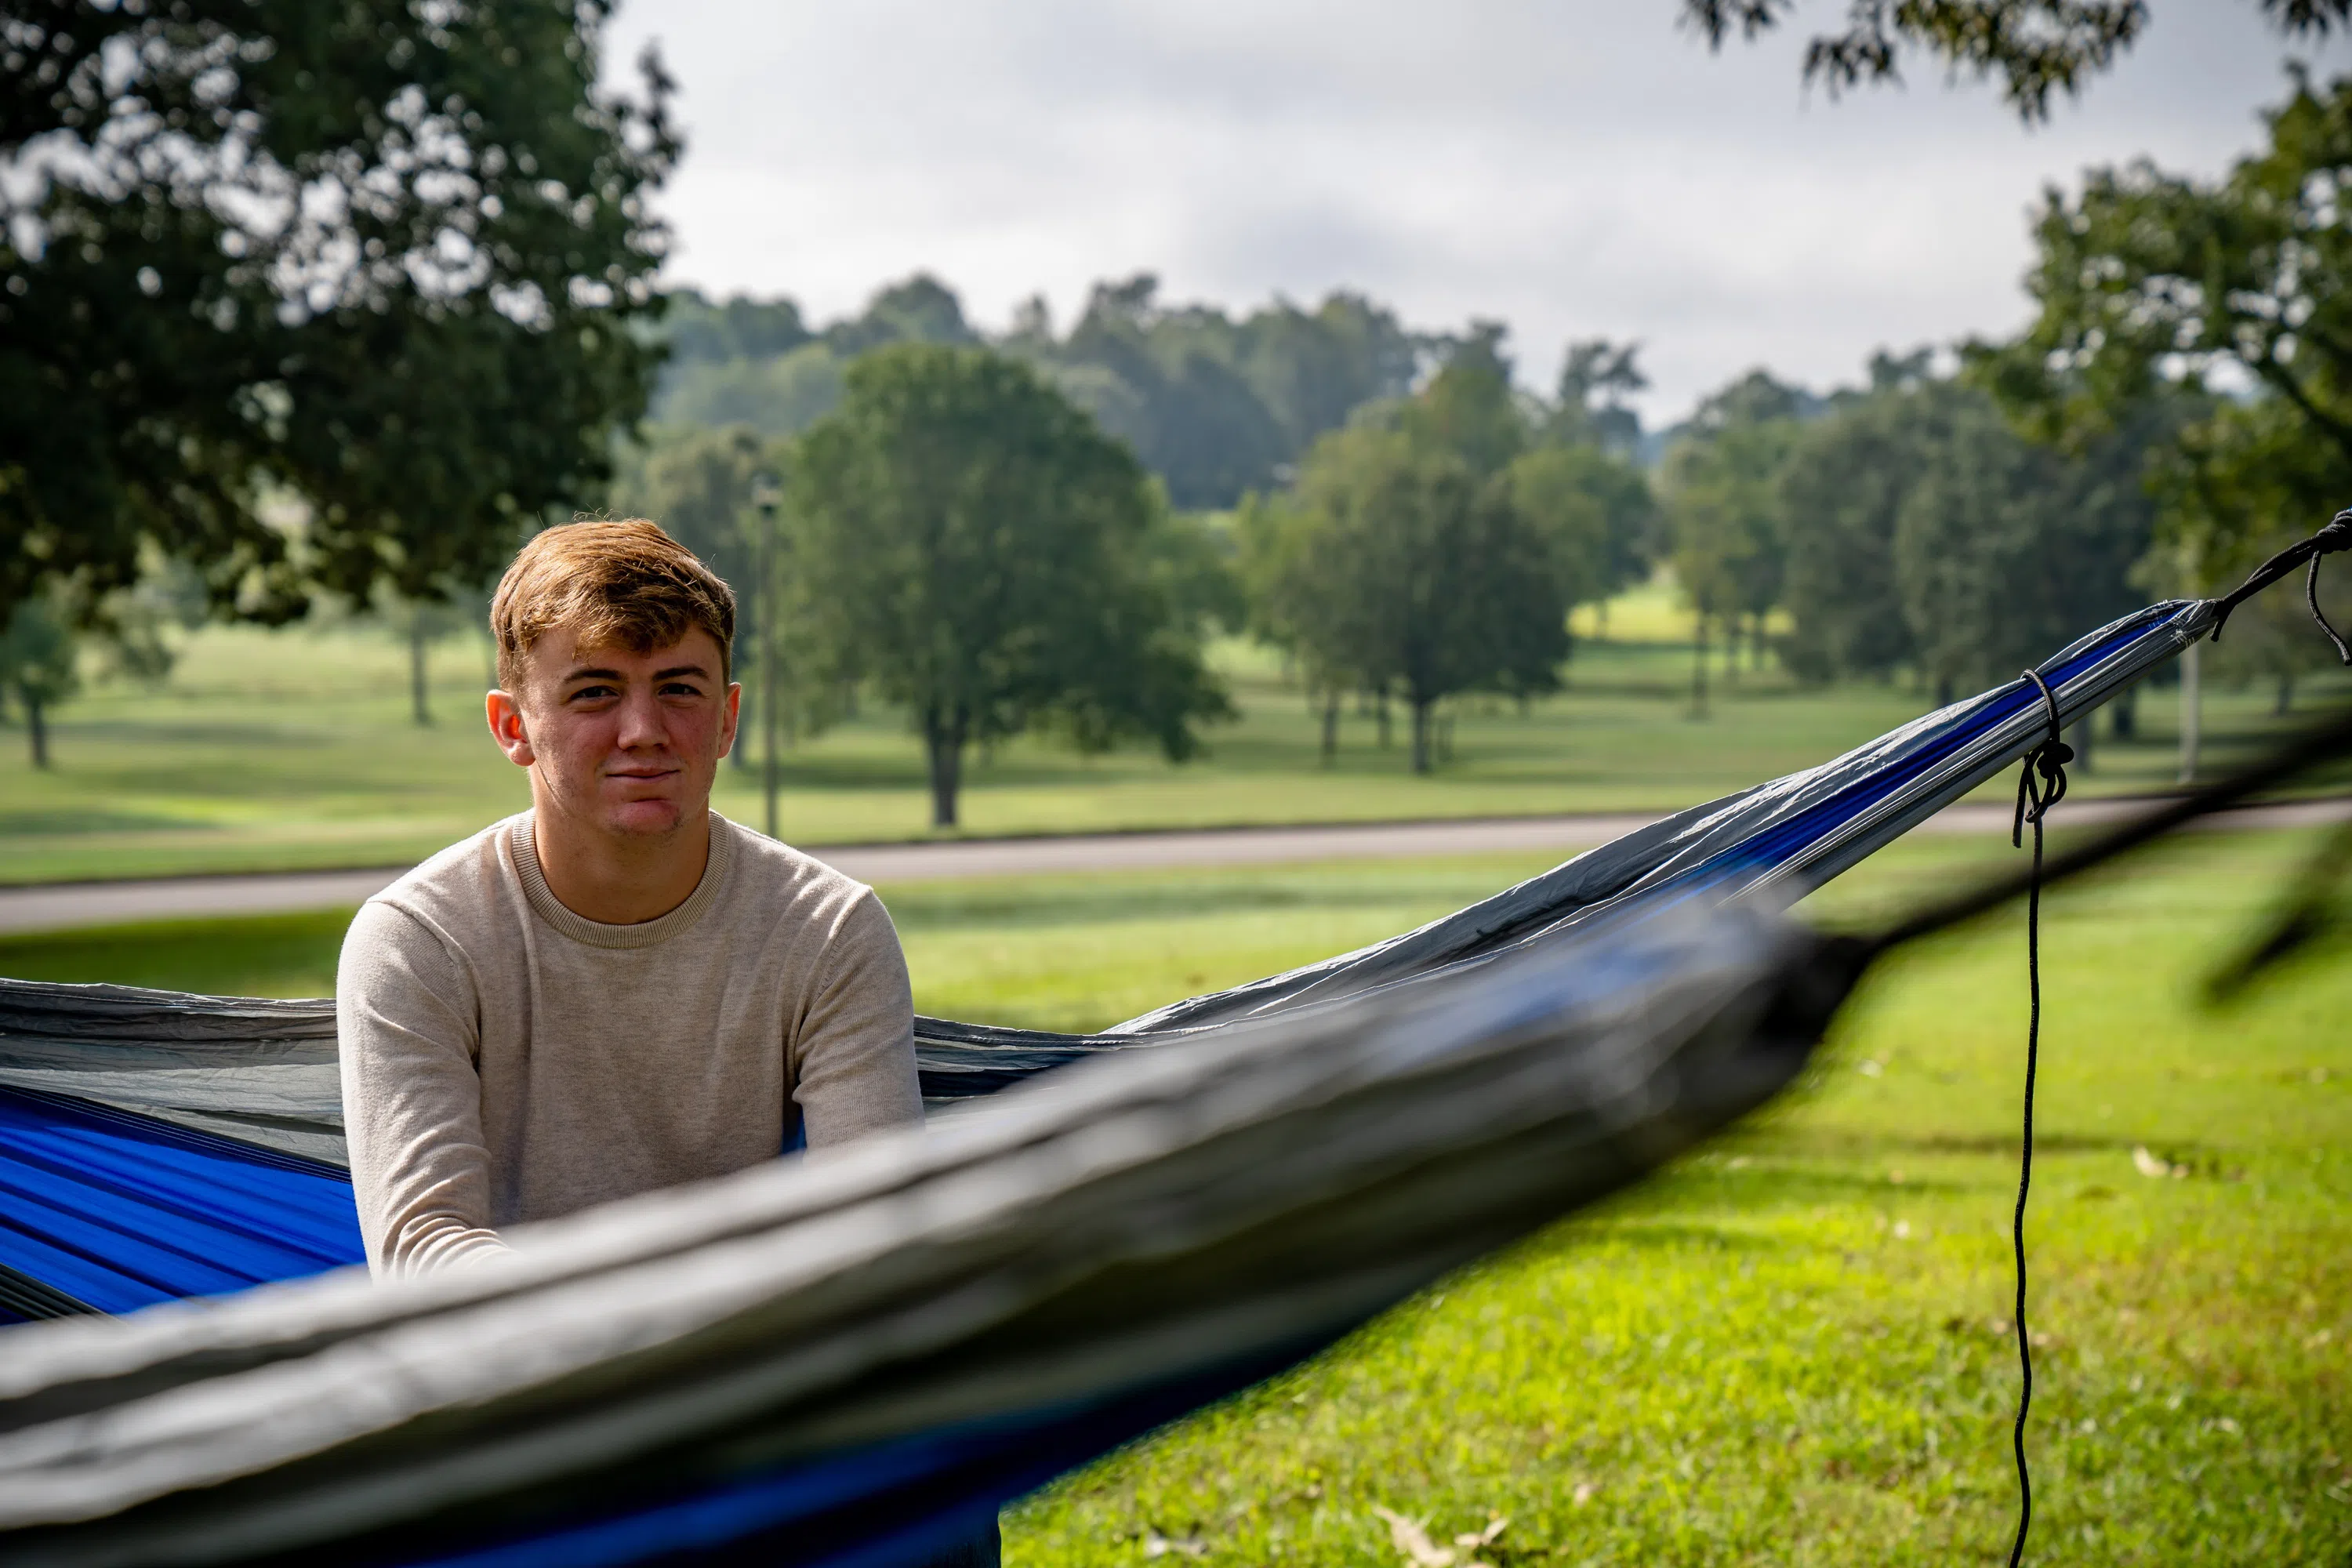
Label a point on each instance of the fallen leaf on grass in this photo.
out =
(2313, 1342)
(2155, 1167)
(1157, 1545)
(1582, 1495)
(1411, 1536)
(1495, 1525)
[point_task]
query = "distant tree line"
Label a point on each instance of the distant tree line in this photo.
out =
(1216, 406)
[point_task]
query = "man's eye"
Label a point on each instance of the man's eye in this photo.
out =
(593, 693)
(681, 689)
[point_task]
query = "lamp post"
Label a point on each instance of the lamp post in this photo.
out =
(767, 493)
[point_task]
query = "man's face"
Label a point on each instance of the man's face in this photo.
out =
(621, 742)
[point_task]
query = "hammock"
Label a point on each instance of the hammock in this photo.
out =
(857, 1361)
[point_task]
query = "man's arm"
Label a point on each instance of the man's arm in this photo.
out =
(854, 1050)
(404, 1018)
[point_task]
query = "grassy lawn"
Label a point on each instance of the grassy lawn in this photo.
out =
(1791, 1348)
(277, 751)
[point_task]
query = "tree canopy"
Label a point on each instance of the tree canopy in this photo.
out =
(2229, 298)
(307, 296)
(2032, 47)
(1397, 567)
(973, 545)
(1215, 405)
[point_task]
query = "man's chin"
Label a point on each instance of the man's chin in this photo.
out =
(645, 818)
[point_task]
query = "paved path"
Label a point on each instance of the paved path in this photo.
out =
(65, 905)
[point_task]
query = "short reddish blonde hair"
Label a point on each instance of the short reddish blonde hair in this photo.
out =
(623, 581)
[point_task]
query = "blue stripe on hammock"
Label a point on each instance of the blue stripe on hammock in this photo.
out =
(122, 1211)
(895, 1503)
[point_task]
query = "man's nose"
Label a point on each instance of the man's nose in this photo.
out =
(641, 724)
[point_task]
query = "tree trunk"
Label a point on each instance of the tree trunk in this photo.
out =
(1943, 692)
(2285, 703)
(419, 709)
(1698, 669)
(1756, 646)
(943, 737)
(1420, 736)
(1731, 650)
(2127, 712)
(1380, 713)
(36, 721)
(1332, 727)
(2078, 735)
(1445, 740)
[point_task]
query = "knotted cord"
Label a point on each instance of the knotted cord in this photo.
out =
(2336, 536)
(2040, 785)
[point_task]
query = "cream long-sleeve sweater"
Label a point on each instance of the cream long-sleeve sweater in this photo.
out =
(504, 1059)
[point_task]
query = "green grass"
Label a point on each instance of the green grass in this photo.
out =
(1789, 1348)
(294, 749)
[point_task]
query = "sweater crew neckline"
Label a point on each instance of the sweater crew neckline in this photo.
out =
(645, 934)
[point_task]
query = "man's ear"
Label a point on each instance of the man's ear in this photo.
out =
(732, 713)
(507, 728)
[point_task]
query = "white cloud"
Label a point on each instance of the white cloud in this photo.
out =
(1572, 169)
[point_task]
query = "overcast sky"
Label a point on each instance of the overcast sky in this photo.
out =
(1578, 168)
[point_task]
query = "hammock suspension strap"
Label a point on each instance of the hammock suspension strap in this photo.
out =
(2336, 536)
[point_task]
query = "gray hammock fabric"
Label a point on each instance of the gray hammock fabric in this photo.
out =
(264, 1071)
(823, 1362)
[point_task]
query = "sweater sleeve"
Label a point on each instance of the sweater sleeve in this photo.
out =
(853, 1052)
(405, 1025)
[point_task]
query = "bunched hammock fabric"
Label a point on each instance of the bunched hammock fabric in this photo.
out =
(857, 1361)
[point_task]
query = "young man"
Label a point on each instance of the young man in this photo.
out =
(619, 989)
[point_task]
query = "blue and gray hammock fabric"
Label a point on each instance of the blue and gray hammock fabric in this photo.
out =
(857, 1360)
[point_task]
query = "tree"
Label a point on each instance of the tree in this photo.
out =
(1842, 495)
(1723, 513)
(1593, 507)
(421, 623)
(1596, 369)
(384, 259)
(2005, 549)
(37, 666)
(1313, 369)
(2031, 46)
(2157, 289)
(1401, 569)
(970, 542)
(1165, 382)
(1469, 408)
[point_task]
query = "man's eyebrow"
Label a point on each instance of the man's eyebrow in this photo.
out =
(672, 673)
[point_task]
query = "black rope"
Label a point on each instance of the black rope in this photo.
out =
(2311, 597)
(2336, 536)
(2040, 785)
(2327, 742)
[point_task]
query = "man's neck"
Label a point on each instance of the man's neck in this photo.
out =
(619, 881)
